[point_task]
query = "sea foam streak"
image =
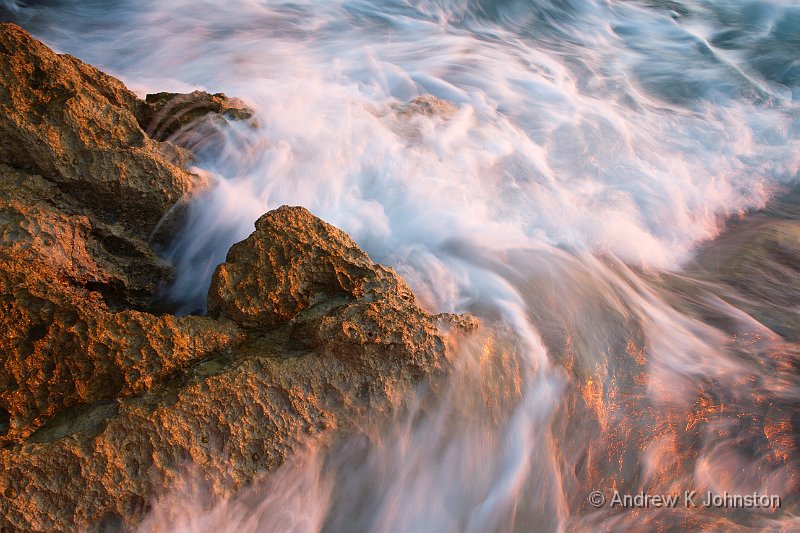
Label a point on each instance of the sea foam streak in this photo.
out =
(591, 141)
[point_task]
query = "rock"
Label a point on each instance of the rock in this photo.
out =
(75, 126)
(161, 115)
(754, 265)
(62, 344)
(760, 260)
(419, 117)
(297, 258)
(72, 141)
(338, 339)
(41, 222)
(427, 105)
(764, 262)
(296, 268)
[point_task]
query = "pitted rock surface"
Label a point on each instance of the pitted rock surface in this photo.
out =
(156, 395)
(72, 124)
(298, 258)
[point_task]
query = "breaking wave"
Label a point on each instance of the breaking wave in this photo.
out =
(573, 157)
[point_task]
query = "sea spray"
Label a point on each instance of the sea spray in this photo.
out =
(592, 145)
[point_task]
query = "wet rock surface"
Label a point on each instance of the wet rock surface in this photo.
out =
(757, 262)
(70, 123)
(161, 115)
(427, 105)
(104, 403)
(105, 408)
(289, 275)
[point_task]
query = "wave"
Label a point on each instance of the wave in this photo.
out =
(587, 150)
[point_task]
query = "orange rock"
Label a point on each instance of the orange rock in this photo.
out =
(72, 124)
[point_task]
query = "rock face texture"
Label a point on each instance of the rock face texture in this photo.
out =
(75, 126)
(145, 396)
(283, 247)
(62, 342)
(163, 114)
(104, 403)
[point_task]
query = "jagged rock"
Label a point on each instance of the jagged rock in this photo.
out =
(72, 256)
(66, 121)
(72, 141)
(38, 219)
(338, 339)
(297, 268)
(163, 114)
(291, 259)
(61, 345)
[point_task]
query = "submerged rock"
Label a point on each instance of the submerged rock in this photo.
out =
(426, 105)
(103, 403)
(163, 114)
(758, 257)
(413, 120)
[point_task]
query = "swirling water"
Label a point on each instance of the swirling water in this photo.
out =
(594, 144)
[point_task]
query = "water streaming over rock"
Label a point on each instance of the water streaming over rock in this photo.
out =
(574, 156)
